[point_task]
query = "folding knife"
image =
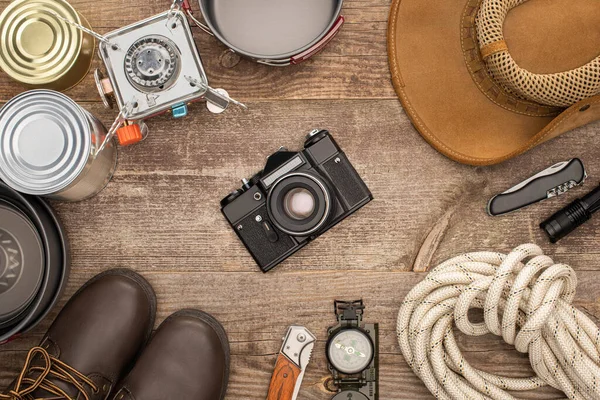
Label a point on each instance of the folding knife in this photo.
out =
(291, 364)
(551, 182)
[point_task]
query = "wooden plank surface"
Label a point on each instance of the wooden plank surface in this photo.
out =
(160, 214)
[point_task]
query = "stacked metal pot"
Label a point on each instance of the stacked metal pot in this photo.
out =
(34, 261)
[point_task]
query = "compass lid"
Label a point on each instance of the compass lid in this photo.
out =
(45, 142)
(22, 263)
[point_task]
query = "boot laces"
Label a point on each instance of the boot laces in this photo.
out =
(52, 368)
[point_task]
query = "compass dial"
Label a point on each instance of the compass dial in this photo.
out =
(350, 351)
(350, 395)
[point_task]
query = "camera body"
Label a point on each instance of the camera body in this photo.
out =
(296, 198)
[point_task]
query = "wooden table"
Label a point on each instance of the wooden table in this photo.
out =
(160, 214)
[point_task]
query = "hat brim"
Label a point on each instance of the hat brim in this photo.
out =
(440, 95)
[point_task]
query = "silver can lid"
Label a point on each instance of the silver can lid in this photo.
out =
(45, 142)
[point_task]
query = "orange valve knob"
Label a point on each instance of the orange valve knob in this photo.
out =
(129, 134)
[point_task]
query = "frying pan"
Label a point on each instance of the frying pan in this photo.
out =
(57, 259)
(273, 32)
(62, 259)
(30, 263)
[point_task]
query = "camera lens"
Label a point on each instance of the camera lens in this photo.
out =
(299, 203)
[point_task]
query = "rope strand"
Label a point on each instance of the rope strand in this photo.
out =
(528, 304)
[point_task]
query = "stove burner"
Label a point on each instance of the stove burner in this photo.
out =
(152, 63)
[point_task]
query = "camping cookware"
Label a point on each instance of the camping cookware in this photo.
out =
(50, 146)
(39, 49)
(277, 33)
(34, 262)
(21, 263)
(153, 67)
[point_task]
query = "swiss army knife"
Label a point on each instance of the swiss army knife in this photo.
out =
(291, 364)
(551, 182)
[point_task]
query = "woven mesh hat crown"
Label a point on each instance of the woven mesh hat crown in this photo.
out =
(561, 89)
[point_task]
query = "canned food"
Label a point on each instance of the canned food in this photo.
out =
(39, 49)
(50, 146)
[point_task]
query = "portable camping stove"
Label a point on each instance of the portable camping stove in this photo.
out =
(153, 68)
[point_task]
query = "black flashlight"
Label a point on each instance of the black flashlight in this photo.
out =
(572, 216)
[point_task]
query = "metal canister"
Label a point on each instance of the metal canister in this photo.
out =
(50, 146)
(40, 50)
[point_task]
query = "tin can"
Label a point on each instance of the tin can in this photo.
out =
(40, 50)
(50, 146)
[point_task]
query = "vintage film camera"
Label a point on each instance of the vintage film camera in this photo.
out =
(297, 197)
(353, 353)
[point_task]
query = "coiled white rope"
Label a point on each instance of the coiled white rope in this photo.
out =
(529, 305)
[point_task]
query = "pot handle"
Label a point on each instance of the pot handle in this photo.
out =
(300, 58)
(185, 4)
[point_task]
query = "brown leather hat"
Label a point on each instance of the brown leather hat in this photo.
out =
(486, 80)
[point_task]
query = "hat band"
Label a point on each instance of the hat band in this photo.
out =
(493, 48)
(483, 79)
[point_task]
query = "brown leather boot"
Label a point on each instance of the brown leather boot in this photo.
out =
(187, 359)
(92, 343)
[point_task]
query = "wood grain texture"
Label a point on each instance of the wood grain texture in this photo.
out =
(160, 214)
(284, 379)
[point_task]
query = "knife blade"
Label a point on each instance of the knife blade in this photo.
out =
(291, 363)
(551, 182)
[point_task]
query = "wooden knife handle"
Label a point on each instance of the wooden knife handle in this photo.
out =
(283, 381)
